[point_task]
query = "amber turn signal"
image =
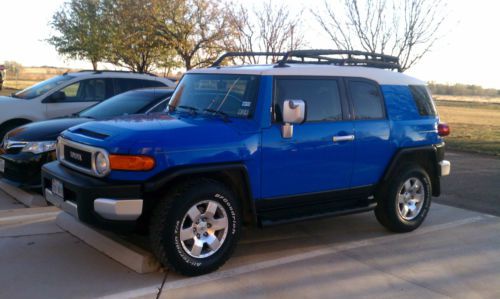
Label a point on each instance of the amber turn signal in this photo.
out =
(135, 163)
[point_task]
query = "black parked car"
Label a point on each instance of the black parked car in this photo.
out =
(25, 149)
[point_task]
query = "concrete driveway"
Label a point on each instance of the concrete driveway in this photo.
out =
(456, 253)
(474, 183)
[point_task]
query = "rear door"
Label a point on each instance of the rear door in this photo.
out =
(311, 161)
(372, 146)
(78, 96)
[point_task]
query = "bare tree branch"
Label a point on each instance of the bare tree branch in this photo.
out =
(407, 29)
(270, 28)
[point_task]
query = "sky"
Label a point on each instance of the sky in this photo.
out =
(466, 53)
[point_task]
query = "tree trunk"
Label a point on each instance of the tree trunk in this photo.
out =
(94, 65)
(187, 62)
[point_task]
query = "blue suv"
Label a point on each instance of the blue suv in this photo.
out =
(319, 133)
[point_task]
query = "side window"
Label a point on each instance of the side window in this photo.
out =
(152, 83)
(366, 100)
(322, 98)
(423, 100)
(92, 90)
(71, 91)
(122, 84)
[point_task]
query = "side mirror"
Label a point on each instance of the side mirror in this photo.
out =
(57, 96)
(294, 112)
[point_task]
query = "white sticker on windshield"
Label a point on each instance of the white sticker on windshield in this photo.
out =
(243, 112)
(246, 104)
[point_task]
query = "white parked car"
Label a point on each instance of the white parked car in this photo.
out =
(69, 93)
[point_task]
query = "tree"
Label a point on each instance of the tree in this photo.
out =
(81, 33)
(134, 42)
(407, 29)
(270, 28)
(195, 29)
(13, 68)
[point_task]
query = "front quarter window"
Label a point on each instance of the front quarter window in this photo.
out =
(233, 95)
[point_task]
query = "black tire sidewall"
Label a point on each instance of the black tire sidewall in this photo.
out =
(177, 257)
(406, 174)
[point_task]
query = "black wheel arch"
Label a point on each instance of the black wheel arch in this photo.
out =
(233, 175)
(427, 157)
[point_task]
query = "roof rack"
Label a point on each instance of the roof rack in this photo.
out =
(330, 57)
(342, 57)
(114, 71)
(245, 54)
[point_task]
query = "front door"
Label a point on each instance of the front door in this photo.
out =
(78, 96)
(319, 156)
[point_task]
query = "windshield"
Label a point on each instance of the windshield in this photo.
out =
(231, 95)
(132, 102)
(42, 87)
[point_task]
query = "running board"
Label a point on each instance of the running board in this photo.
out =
(267, 222)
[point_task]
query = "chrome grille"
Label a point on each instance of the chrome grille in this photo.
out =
(78, 156)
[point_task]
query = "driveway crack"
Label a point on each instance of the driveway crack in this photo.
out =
(160, 289)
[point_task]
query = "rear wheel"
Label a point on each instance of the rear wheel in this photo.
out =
(195, 229)
(404, 201)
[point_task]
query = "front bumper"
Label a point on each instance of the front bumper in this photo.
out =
(24, 169)
(92, 200)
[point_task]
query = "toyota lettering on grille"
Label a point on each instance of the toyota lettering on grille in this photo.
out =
(76, 156)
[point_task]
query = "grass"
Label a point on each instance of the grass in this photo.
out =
(7, 91)
(475, 126)
(19, 84)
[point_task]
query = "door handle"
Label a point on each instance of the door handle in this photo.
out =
(343, 138)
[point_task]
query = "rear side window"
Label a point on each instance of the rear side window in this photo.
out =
(322, 98)
(366, 100)
(152, 83)
(122, 85)
(423, 100)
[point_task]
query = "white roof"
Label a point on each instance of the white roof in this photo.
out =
(383, 77)
(131, 75)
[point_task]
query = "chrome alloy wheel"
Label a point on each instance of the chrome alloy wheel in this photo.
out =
(204, 229)
(411, 199)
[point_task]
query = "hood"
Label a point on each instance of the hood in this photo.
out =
(172, 140)
(148, 134)
(44, 130)
(7, 99)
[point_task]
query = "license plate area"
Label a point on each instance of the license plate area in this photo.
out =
(58, 188)
(2, 165)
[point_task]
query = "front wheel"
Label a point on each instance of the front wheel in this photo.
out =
(404, 201)
(195, 229)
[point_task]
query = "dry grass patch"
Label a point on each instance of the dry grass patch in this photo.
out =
(474, 126)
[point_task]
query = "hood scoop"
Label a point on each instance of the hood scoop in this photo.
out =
(91, 134)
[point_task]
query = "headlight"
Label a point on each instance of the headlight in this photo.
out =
(4, 141)
(101, 163)
(39, 147)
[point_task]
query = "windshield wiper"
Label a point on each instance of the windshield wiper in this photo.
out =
(190, 108)
(224, 115)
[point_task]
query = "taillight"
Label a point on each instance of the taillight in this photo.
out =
(443, 130)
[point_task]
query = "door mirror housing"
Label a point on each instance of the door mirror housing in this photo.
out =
(57, 96)
(294, 112)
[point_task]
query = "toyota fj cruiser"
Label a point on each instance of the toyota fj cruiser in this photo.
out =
(319, 133)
